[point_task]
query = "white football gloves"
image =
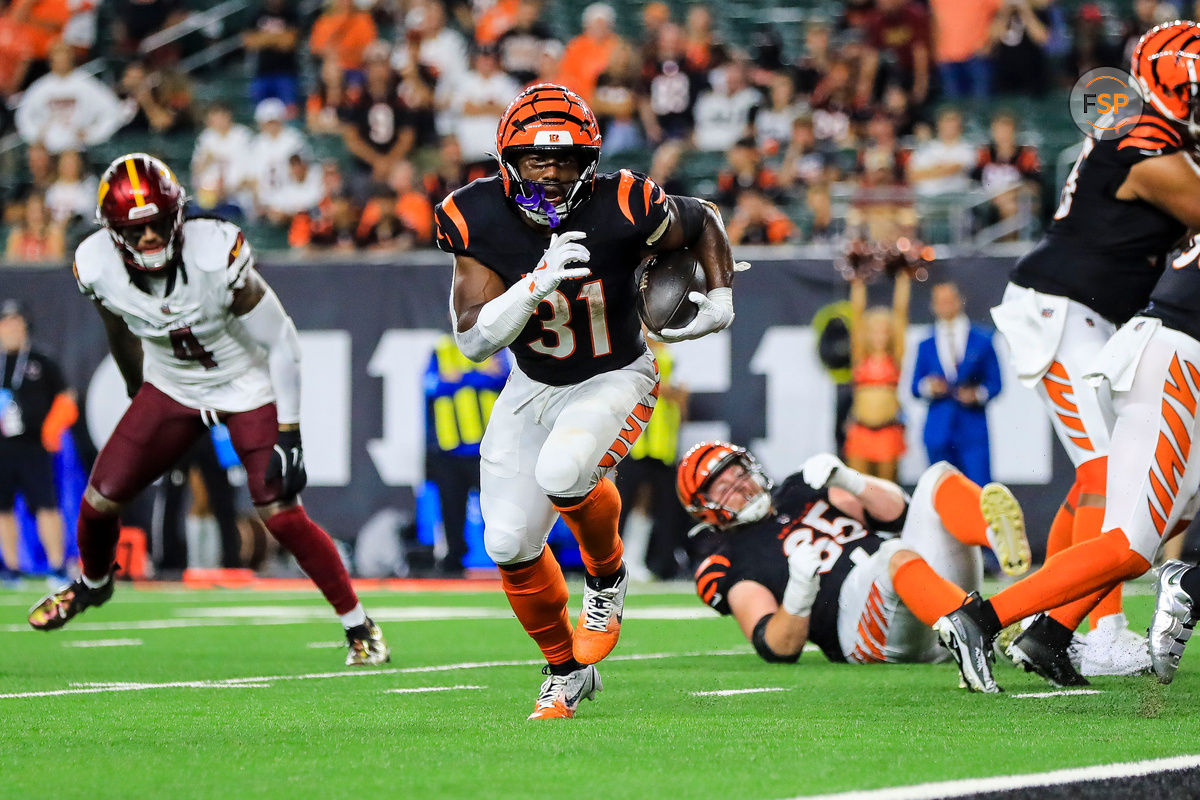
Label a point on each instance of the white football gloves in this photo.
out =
(716, 314)
(826, 469)
(552, 270)
(804, 563)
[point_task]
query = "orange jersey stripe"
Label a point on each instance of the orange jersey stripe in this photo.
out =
(456, 217)
(624, 190)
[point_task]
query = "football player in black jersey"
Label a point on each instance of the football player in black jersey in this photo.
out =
(544, 256)
(1152, 369)
(1125, 206)
(811, 559)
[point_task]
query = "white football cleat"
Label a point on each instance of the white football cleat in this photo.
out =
(1111, 648)
(1172, 623)
(560, 695)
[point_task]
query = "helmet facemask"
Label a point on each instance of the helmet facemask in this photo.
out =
(530, 196)
(165, 225)
(756, 505)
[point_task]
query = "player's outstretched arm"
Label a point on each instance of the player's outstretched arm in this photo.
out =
(777, 635)
(487, 317)
(126, 348)
(262, 316)
(861, 496)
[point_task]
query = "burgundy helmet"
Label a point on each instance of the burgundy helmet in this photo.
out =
(139, 190)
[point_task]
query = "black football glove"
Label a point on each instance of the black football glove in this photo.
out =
(287, 464)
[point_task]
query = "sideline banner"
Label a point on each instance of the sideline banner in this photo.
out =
(367, 331)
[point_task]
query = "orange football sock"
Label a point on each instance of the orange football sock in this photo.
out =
(594, 523)
(927, 594)
(956, 500)
(1091, 477)
(1062, 528)
(537, 593)
(1072, 614)
(1073, 574)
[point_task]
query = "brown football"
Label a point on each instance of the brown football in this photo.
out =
(663, 287)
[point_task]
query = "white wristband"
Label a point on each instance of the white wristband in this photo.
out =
(851, 480)
(799, 596)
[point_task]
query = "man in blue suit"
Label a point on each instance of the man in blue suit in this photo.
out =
(958, 373)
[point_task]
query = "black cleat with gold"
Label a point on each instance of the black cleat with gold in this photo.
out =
(57, 608)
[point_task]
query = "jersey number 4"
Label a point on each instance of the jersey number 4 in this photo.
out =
(188, 348)
(559, 327)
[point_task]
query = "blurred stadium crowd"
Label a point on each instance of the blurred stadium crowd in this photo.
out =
(338, 125)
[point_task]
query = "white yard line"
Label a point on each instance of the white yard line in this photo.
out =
(260, 680)
(422, 689)
(240, 616)
(1060, 777)
(731, 692)
(1059, 693)
(104, 643)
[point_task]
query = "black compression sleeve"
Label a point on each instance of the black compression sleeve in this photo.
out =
(763, 649)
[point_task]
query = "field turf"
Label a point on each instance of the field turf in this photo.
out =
(239, 694)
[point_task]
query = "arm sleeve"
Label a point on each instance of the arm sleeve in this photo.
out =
(270, 326)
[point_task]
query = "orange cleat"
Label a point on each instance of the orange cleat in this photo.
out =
(600, 623)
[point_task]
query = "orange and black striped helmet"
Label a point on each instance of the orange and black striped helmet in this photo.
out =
(139, 191)
(548, 117)
(1165, 71)
(699, 468)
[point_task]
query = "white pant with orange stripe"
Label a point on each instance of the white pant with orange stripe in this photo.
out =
(555, 440)
(873, 623)
(1053, 342)
(1154, 468)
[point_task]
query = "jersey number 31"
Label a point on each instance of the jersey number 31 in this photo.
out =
(558, 326)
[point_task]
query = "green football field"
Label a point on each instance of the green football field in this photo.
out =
(232, 694)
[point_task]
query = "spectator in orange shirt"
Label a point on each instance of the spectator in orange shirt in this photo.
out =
(961, 41)
(587, 55)
(703, 51)
(495, 21)
(757, 220)
(343, 31)
(44, 21)
(412, 205)
(380, 227)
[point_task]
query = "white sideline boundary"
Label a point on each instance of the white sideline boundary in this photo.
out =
(423, 689)
(1002, 783)
(732, 692)
(264, 680)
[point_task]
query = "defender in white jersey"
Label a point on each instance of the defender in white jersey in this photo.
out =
(199, 338)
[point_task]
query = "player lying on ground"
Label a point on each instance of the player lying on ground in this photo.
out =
(1124, 207)
(199, 338)
(1151, 368)
(808, 560)
(544, 260)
